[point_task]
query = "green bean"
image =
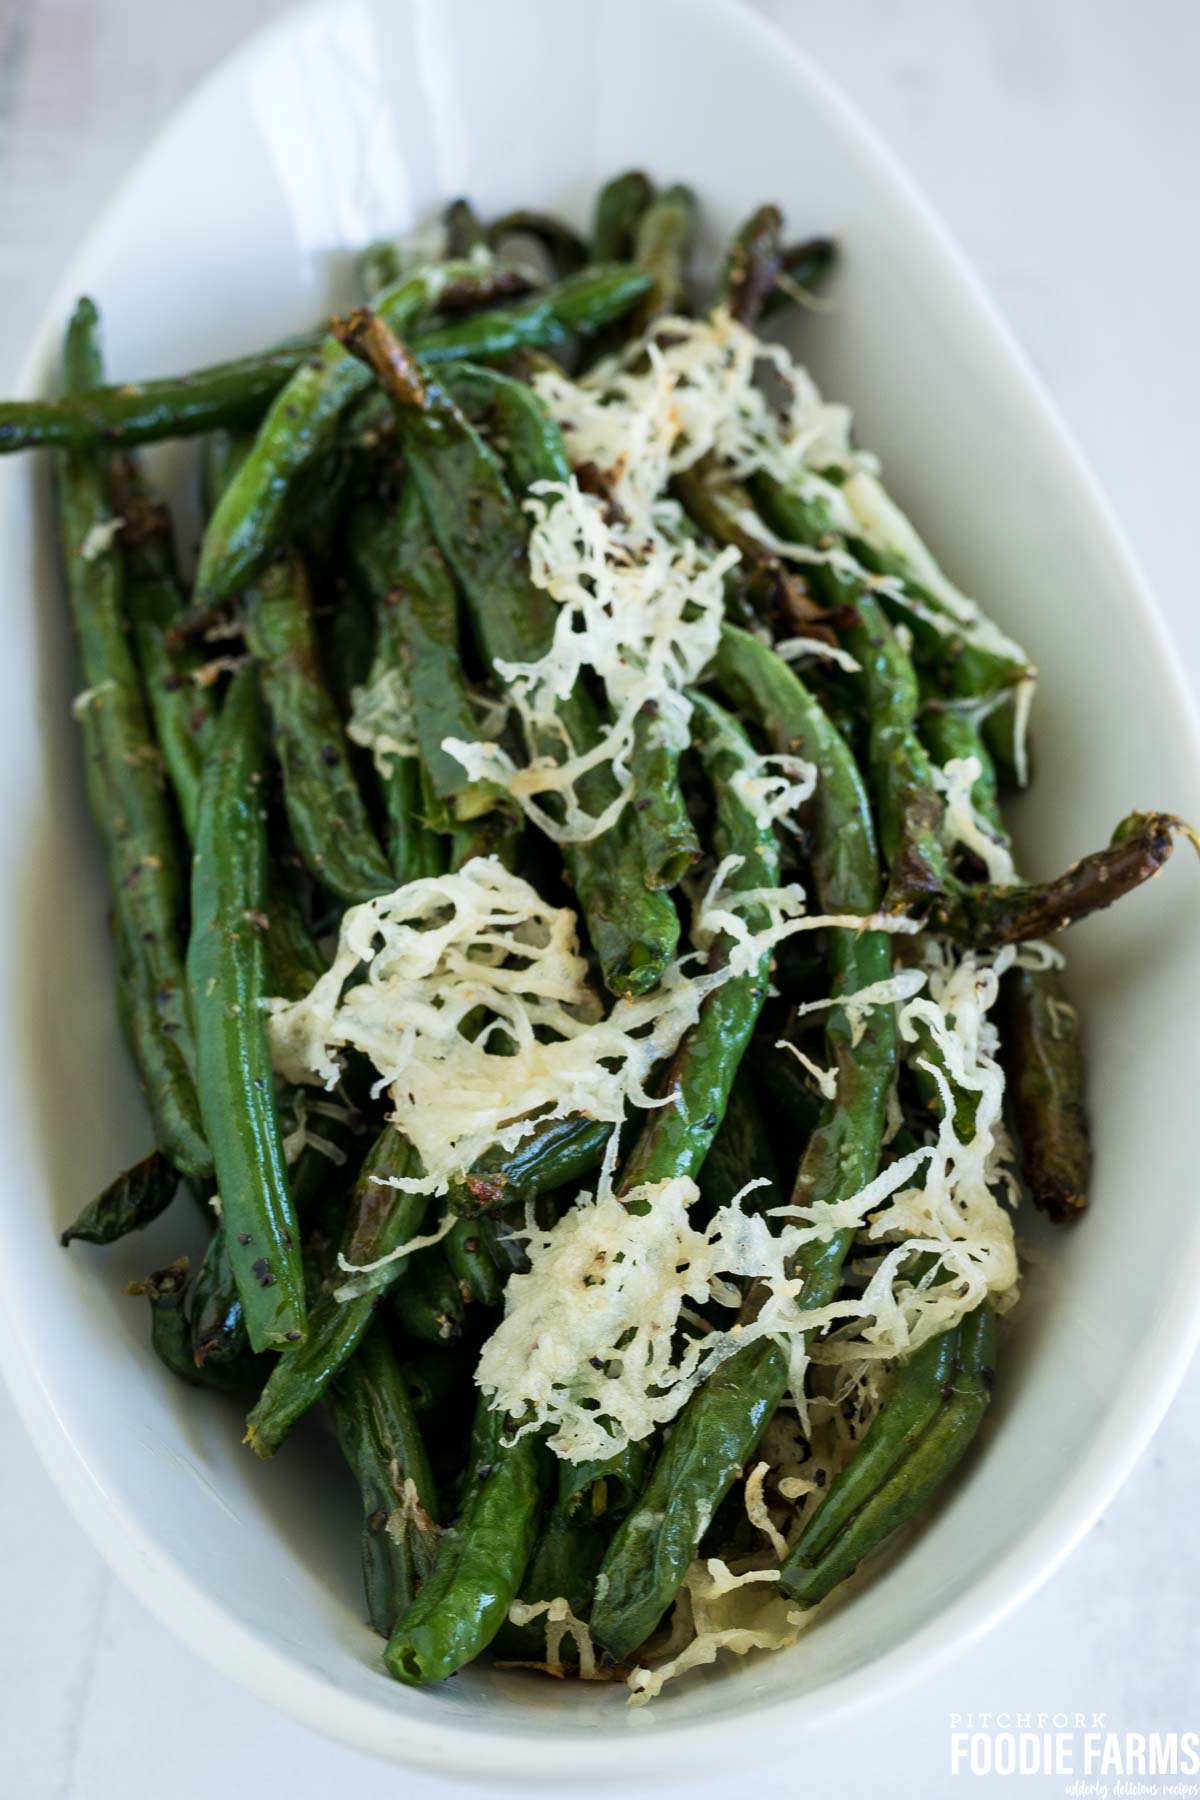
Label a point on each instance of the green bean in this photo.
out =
(949, 731)
(990, 917)
(665, 831)
(381, 1440)
(326, 812)
(662, 245)
(381, 265)
(912, 1403)
(476, 1274)
(398, 561)
(530, 443)
(133, 1200)
(972, 669)
(762, 587)
(753, 266)
(325, 809)
(927, 1465)
(1002, 735)
(1040, 1046)
(166, 1290)
(426, 1298)
(633, 931)
(250, 520)
(791, 1109)
(1042, 1056)
(464, 229)
(483, 287)
(480, 1562)
(346, 641)
(379, 1219)
(618, 210)
(485, 1445)
(950, 735)
(539, 322)
(741, 1152)
(294, 963)
(565, 1562)
(675, 1139)
(563, 246)
(225, 970)
(181, 702)
(842, 1154)
(601, 1491)
(232, 393)
(218, 1318)
(554, 1152)
(720, 1425)
(911, 812)
(434, 1375)
(125, 794)
(803, 266)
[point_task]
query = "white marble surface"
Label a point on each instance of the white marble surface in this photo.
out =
(1060, 138)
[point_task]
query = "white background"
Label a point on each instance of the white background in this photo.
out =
(1061, 140)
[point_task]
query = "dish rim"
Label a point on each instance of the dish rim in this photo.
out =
(669, 1748)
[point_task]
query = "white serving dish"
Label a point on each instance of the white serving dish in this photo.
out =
(346, 120)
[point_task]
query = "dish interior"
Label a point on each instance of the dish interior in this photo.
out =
(239, 228)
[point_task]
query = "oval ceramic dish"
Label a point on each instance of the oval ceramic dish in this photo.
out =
(345, 121)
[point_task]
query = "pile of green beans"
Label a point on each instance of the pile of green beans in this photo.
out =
(366, 527)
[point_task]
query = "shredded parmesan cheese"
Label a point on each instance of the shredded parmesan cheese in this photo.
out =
(88, 696)
(713, 1616)
(100, 537)
(963, 824)
(880, 522)
(797, 649)
(590, 1346)
(638, 607)
(414, 970)
(408, 1515)
(350, 1290)
(560, 1622)
(774, 788)
(826, 1079)
(431, 956)
(381, 718)
(640, 600)
(757, 1513)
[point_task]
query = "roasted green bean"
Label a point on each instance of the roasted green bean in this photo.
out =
(250, 520)
(226, 986)
(137, 1196)
(381, 1440)
(125, 793)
